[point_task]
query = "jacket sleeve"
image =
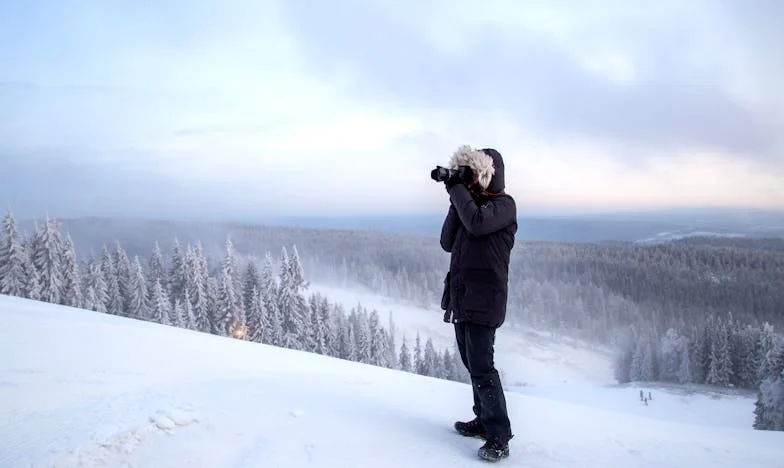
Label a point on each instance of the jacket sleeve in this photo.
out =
(493, 216)
(449, 229)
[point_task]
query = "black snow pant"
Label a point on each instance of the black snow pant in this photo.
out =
(475, 344)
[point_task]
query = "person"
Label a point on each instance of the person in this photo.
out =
(479, 233)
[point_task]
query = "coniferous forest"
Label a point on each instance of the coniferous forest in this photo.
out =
(702, 311)
(257, 299)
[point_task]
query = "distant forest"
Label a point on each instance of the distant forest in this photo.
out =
(697, 310)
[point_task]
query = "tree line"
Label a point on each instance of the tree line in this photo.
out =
(252, 299)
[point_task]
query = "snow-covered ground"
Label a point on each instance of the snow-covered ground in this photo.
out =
(79, 388)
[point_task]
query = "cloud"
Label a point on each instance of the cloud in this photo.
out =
(561, 82)
(300, 107)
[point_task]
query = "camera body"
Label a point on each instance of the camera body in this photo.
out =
(442, 174)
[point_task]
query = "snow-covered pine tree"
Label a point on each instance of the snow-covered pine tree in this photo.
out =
(47, 256)
(33, 289)
(196, 279)
(274, 333)
(642, 361)
(743, 364)
(343, 340)
(178, 315)
(125, 272)
(378, 341)
(431, 363)
(765, 343)
(391, 335)
(361, 329)
(325, 334)
(720, 366)
(448, 366)
(318, 333)
(230, 319)
(235, 270)
(138, 305)
(227, 317)
(159, 305)
(291, 300)
(405, 357)
(191, 323)
(96, 296)
(156, 269)
(309, 339)
(268, 290)
(418, 360)
(114, 300)
(700, 353)
(251, 286)
(255, 314)
(352, 353)
(71, 286)
(769, 407)
(177, 272)
(212, 300)
(14, 260)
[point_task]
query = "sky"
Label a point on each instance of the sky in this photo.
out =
(302, 108)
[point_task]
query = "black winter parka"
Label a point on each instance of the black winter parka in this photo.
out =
(480, 234)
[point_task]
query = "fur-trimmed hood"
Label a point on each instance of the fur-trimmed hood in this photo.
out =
(487, 164)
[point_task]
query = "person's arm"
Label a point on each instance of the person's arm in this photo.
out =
(493, 216)
(449, 229)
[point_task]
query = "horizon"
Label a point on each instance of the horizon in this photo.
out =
(265, 109)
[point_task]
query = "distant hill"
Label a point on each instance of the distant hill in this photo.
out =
(651, 226)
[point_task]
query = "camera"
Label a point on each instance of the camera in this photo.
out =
(463, 173)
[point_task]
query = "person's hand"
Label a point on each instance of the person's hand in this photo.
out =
(453, 180)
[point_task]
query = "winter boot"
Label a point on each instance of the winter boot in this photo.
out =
(494, 450)
(471, 428)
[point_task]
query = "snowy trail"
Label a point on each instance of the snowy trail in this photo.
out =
(162, 397)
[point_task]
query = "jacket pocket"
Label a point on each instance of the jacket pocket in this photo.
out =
(445, 295)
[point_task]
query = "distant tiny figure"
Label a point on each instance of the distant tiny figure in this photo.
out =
(650, 397)
(642, 395)
(646, 401)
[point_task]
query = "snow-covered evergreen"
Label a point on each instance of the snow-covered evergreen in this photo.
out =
(14, 261)
(71, 287)
(47, 248)
(769, 408)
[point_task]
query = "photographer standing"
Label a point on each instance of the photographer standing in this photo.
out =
(479, 232)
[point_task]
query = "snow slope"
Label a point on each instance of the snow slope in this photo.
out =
(79, 388)
(526, 357)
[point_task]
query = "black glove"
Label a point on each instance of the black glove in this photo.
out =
(453, 180)
(463, 175)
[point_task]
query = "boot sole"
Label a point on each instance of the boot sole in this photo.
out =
(486, 457)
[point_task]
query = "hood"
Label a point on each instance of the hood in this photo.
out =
(486, 163)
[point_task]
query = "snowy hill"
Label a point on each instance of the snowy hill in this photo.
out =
(80, 388)
(526, 357)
